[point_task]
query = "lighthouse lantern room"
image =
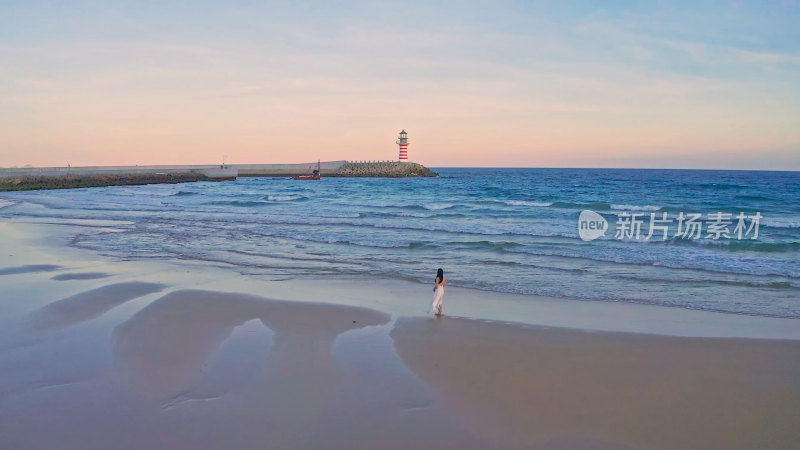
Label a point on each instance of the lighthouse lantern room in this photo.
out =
(403, 143)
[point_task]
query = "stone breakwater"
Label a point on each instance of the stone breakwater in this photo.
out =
(29, 178)
(33, 182)
(386, 169)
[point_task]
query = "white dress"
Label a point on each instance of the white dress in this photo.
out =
(437, 299)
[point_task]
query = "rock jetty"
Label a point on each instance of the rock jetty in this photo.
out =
(32, 182)
(386, 169)
(30, 178)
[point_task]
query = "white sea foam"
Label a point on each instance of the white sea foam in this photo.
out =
(527, 203)
(635, 208)
(409, 214)
(438, 206)
(781, 223)
(283, 198)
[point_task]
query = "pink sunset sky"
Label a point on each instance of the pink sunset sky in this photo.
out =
(504, 84)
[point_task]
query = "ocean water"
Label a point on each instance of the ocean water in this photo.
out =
(506, 230)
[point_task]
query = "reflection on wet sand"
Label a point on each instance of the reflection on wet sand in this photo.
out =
(162, 347)
(561, 388)
(301, 396)
(87, 305)
(29, 269)
(209, 370)
(80, 276)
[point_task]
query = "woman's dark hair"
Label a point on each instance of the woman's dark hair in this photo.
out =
(440, 274)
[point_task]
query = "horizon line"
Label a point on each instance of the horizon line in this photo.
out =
(431, 167)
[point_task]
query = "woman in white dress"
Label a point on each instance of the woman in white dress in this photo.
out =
(438, 293)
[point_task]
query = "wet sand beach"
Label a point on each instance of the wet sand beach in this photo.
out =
(98, 352)
(530, 385)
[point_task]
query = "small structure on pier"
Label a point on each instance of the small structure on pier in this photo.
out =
(402, 142)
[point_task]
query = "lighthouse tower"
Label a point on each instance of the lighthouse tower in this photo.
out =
(403, 143)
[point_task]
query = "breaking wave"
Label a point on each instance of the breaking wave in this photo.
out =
(284, 198)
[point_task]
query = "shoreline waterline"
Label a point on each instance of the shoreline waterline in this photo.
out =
(512, 231)
(49, 245)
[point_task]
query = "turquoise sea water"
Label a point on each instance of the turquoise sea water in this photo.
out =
(508, 230)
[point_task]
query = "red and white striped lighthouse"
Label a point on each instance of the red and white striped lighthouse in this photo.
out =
(403, 143)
